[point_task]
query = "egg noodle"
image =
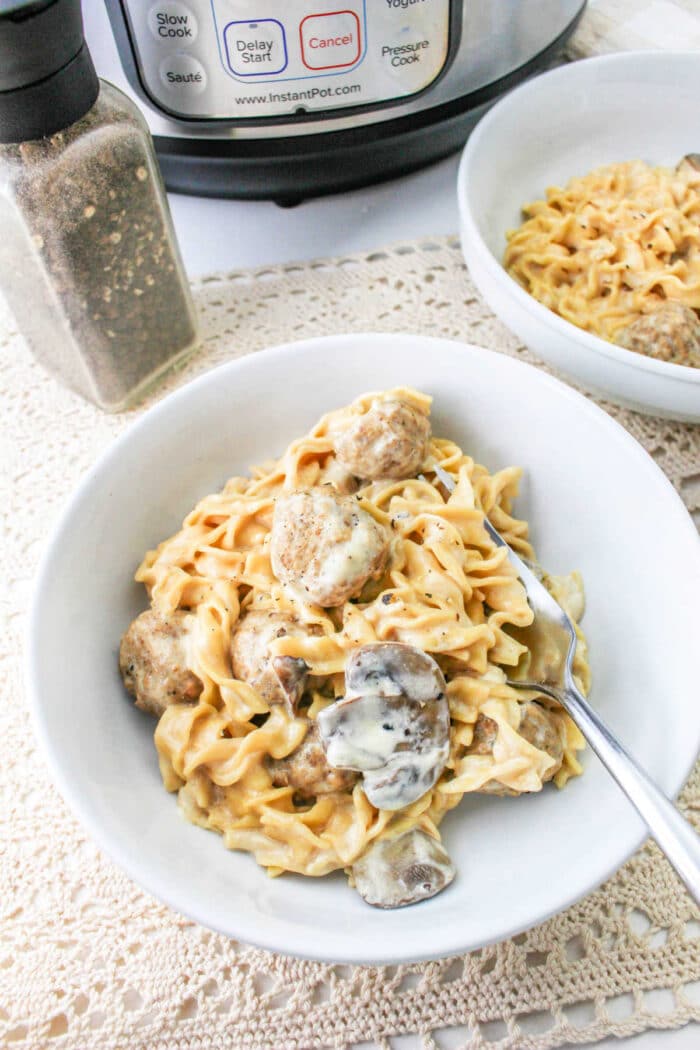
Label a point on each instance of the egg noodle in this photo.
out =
(447, 590)
(612, 245)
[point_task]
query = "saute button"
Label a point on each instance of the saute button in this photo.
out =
(172, 22)
(255, 49)
(330, 41)
(183, 75)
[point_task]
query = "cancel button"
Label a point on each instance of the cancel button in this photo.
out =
(331, 41)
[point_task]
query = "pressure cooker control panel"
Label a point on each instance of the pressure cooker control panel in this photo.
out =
(257, 59)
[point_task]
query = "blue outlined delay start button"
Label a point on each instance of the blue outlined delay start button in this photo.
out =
(256, 49)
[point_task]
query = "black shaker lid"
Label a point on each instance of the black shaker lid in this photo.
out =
(47, 80)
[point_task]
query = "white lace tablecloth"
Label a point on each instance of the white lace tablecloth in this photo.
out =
(87, 960)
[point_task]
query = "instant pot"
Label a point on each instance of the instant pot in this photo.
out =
(285, 99)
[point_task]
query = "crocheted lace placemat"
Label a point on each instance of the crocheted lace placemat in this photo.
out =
(87, 960)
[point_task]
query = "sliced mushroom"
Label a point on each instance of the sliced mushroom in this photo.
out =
(291, 673)
(393, 669)
(405, 870)
(393, 725)
(279, 679)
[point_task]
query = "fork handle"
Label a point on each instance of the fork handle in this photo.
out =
(674, 834)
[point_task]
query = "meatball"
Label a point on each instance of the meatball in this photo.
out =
(280, 679)
(307, 769)
(326, 545)
(671, 333)
(540, 728)
(153, 661)
(388, 441)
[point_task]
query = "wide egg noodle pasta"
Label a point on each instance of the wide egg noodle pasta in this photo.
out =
(612, 245)
(447, 589)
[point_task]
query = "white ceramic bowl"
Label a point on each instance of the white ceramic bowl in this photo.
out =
(637, 105)
(602, 506)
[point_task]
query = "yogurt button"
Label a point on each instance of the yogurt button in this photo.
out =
(183, 75)
(172, 23)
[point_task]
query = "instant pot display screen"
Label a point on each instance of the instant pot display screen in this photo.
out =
(254, 59)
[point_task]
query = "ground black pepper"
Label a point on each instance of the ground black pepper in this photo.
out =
(88, 257)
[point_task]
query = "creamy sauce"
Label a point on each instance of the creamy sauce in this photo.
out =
(347, 560)
(325, 544)
(363, 733)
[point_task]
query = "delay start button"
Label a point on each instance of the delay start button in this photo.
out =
(172, 22)
(330, 41)
(183, 75)
(256, 49)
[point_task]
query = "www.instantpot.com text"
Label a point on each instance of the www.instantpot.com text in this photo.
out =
(299, 96)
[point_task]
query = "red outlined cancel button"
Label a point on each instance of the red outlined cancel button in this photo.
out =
(330, 41)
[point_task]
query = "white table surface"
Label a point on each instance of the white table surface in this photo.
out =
(217, 235)
(227, 235)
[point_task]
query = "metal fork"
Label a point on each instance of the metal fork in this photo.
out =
(553, 628)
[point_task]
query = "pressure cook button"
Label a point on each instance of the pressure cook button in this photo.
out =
(172, 22)
(256, 49)
(330, 41)
(183, 75)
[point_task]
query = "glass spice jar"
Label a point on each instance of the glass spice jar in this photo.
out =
(89, 262)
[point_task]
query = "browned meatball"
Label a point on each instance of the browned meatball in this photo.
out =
(326, 545)
(307, 769)
(671, 333)
(389, 441)
(153, 661)
(278, 680)
(540, 728)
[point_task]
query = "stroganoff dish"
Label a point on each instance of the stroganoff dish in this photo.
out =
(327, 649)
(617, 253)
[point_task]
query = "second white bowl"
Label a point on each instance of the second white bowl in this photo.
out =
(635, 105)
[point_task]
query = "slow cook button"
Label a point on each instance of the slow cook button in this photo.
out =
(172, 22)
(330, 41)
(183, 75)
(254, 49)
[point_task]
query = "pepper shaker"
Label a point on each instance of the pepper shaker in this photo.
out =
(89, 263)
